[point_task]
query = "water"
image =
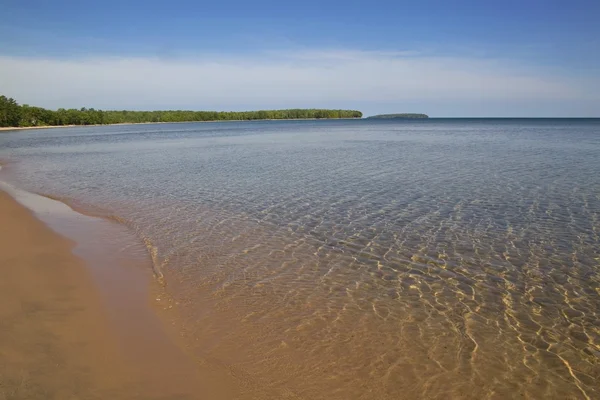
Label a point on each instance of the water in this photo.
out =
(358, 259)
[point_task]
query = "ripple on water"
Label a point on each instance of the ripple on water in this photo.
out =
(363, 260)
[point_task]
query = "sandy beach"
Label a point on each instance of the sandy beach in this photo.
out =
(58, 339)
(20, 128)
(447, 259)
(24, 128)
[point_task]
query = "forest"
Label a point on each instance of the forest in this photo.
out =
(14, 115)
(392, 116)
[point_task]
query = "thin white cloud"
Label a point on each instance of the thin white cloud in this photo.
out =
(320, 78)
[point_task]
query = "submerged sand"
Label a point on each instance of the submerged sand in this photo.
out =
(57, 337)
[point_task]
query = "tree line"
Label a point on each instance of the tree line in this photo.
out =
(14, 115)
(399, 116)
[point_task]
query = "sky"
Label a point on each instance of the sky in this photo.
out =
(458, 58)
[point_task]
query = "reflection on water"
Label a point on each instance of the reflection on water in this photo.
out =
(360, 259)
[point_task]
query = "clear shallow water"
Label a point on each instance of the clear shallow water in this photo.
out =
(359, 259)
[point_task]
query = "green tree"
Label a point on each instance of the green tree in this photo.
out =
(10, 112)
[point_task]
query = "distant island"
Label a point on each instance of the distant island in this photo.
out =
(14, 115)
(394, 116)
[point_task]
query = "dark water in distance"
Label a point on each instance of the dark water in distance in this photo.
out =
(359, 259)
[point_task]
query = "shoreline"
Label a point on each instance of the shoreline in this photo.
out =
(41, 305)
(21, 128)
(60, 294)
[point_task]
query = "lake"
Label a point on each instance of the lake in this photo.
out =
(358, 259)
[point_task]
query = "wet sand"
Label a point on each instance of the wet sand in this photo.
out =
(59, 337)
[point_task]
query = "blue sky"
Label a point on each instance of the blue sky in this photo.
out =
(445, 58)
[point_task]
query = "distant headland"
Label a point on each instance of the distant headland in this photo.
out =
(13, 115)
(398, 116)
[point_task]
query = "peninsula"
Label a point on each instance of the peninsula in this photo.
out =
(398, 116)
(14, 115)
